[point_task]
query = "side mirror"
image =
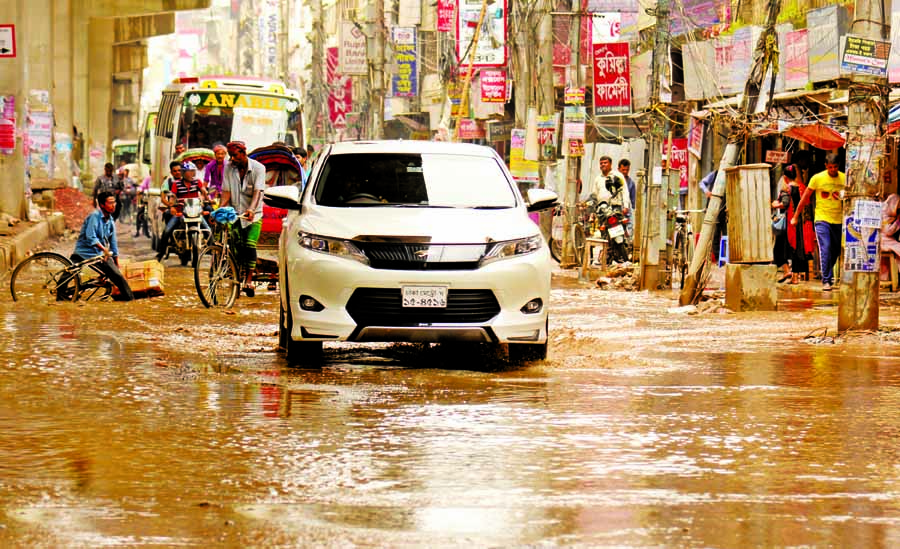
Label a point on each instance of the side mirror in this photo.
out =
(286, 197)
(540, 199)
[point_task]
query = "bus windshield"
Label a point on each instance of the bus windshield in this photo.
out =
(125, 154)
(212, 117)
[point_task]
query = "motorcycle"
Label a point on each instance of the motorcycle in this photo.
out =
(611, 224)
(192, 234)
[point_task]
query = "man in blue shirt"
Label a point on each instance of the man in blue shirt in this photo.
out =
(98, 236)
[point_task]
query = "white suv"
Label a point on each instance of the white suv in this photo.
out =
(412, 241)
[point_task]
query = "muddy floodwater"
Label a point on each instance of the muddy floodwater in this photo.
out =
(161, 423)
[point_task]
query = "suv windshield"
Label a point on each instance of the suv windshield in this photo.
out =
(424, 180)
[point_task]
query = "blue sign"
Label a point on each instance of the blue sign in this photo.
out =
(404, 83)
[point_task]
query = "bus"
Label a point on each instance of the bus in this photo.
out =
(124, 151)
(208, 110)
(146, 145)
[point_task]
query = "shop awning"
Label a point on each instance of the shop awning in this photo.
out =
(819, 136)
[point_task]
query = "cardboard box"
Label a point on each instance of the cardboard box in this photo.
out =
(145, 277)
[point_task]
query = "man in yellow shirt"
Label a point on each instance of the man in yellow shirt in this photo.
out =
(829, 188)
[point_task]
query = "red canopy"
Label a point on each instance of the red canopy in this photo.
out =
(819, 136)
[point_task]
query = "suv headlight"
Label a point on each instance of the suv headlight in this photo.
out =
(511, 248)
(332, 246)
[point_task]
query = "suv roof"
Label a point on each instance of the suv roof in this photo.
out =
(402, 146)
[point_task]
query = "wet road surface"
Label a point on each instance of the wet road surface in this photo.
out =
(161, 423)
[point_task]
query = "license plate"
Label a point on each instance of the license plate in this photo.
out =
(616, 230)
(424, 296)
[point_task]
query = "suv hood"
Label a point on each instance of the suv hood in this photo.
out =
(437, 225)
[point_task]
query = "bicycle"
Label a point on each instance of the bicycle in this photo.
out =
(46, 277)
(217, 272)
(683, 244)
(579, 224)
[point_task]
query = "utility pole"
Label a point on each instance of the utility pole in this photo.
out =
(573, 163)
(858, 299)
(376, 72)
(317, 89)
(654, 199)
(463, 111)
(764, 56)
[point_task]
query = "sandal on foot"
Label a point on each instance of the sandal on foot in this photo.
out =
(785, 277)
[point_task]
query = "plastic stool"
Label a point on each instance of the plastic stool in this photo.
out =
(723, 250)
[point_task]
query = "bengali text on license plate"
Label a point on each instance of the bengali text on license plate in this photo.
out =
(616, 230)
(424, 296)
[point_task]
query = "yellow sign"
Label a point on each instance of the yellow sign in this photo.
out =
(239, 100)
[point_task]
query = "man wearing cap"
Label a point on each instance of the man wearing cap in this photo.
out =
(214, 172)
(243, 183)
(186, 187)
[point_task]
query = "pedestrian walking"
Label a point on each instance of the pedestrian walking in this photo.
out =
(828, 186)
(141, 222)
(801, 237)
(781, 253)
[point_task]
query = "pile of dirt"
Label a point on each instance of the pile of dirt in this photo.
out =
(74, 205)
(619, 276)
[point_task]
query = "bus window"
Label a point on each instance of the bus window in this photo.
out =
(147, 139)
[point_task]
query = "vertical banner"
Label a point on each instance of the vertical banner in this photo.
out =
(493, 85)
(547, 131)
(796, 59)
(612, 79)
(678, 158)
(491, 50)
(695, 137)
(340, 91)
(894, 60)
(7, 124)
(405, 82)
(352, 54)
(521, 169)
(573, 131)
(446, 12)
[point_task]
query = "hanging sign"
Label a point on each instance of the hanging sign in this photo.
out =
(493, 86)
(340, 91)
(470, 129)
(521, 169)
(491, 50)
(777, 157)
(574, 96)
(353, 50)
(446, 10)
(678, 158)
(573, 130)
(695, 137)
(612, 79)
(404, 82)
(546, 133)
(861, 247)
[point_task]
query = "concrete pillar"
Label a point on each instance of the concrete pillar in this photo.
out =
(63, 103)
(99, 81)
(12, 76)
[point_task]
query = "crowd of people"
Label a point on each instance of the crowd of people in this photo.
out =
(230, 178)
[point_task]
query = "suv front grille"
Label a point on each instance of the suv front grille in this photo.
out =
(422, 257)
(384, 307)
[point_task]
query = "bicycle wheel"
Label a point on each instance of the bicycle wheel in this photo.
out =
(216, 277)
(679, 266)
(578, 243)
(556, 236)
(36, 279)
(94, 290)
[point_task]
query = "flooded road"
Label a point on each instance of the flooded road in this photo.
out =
(161, 423)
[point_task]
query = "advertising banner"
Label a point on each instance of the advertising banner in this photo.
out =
(678, 158)
(865, 56)
(695, 137)
(7, 124)
(546, 134)
(894, 59)
(493, 86)
(491, 49)
(612, 79)
(521, 169)
(446, 13)
(796, 59)
(352, 52)
(340, 91)
(404, 82)
(470, 129)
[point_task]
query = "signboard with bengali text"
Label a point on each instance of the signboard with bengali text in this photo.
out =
(612, 78)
